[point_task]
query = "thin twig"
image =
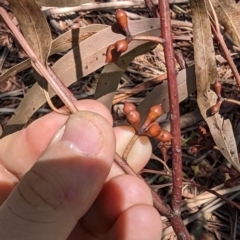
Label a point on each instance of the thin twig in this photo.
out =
(225, 199)
(161, 161)
(231, 101)
(65, 95)
(226, 53)
(149, 39)
(104, 6)
(158, 203)
(217, 26)
(3, 56)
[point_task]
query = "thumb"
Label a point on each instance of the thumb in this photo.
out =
(63, 184)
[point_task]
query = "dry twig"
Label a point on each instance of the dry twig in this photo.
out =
(223, 45)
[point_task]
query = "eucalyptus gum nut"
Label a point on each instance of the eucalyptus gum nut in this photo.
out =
(140, 152)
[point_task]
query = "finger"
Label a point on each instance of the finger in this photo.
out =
(140, 222)
(62, 185)
(137, 158)
(139, 153)
(117, 195)
(19, 151)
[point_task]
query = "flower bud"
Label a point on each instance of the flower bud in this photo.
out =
(128, 107)
(164, 136)
(154, 130)
(133, 118)
(154, 113)
(121, 46)
(122, 20)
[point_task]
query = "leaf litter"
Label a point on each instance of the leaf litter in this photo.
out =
(141, 82)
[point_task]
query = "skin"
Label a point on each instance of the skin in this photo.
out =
(57, 185)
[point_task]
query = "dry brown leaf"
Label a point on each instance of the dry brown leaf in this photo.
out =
(37, 34)
(84, 59)
(34, 26)
(206, 73)
(60, 44)
(14, 70)
(186, 85)
(72, 38)
(138, 88)
(61, 3)
(228, 15)
(112, 73)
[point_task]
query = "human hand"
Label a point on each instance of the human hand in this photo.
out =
(66, 186)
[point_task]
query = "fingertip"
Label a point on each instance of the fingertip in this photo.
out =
(141, 222)
(117, 195)
(122, 192)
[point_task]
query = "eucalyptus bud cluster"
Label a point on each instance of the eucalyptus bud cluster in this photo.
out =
(150, 127)
(115, 50)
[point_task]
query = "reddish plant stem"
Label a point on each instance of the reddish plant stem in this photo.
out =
(163, 209)
(226, 53)
(180, 59)
(157, 201)
(166, 32)
(174, 104)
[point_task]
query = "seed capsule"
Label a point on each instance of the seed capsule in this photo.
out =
(154, 113)
(128, 107)
(122, 20)
(133, 118)
(154, 130)
(202, 131)
(164, 136)
(217, 88)
(121, 46)
(193, 150)
(216, 108)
